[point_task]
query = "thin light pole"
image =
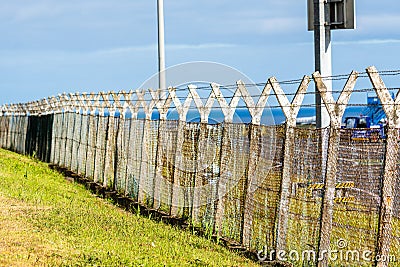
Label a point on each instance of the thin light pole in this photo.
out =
(323, 56)
(161, 45)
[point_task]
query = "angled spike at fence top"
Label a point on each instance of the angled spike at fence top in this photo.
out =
(249, 101)
(160, 98)
(18, 109)
(70, 103)
(135, 106)
(13, 109)
(41, 106)
(125, 105)
(34, 105)
(103, 103)
(22, 109)
(82, 98)
(142, 102)
(38, 107)
(389, 105)
(61, 104)
(181, 108)
(56, 104)
(25, 108)
(186, 106)
(67, 102)
(117, 103)
(204, 110)
(129, 103)
(345, 95)
(165, 105)
(153, 102)
(290, 110)
(336, 108)
(47, 106)
(5, 110)
(124, 102)
(8, 109)
(77, 102)
(96, 103)
(262, 101)
(162, 94)
(51, 103)
(256, 110)
(74, 102)
(227, 110)
(31, 107)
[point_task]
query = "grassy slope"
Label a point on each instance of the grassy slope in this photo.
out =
(45, 220)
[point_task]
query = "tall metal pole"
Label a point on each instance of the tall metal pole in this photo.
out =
(323, 64)
(161, 45)
(323, 56)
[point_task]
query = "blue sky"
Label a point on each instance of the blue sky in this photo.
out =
(53, 46)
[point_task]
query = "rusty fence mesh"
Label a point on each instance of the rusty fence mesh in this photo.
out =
(358, 193)
(306, 190)
(263, 186)
(395, 224)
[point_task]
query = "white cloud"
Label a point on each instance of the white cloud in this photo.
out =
(199, 46)
(153, 47)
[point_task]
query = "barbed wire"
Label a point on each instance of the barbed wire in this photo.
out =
(133, 98)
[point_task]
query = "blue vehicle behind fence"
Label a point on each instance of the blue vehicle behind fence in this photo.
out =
(370, 125)
(364, 130)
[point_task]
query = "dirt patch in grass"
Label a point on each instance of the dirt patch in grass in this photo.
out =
(21, 244)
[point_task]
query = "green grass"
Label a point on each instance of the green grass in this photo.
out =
(47, 221)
